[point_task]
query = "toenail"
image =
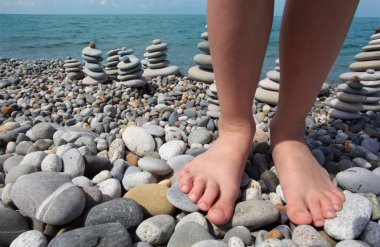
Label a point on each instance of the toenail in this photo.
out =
(218, 212)
(203, 206)
(330, 214)
(337, 207)
(302, 214)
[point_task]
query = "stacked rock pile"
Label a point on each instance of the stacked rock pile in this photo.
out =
(268, 89)
(213, 108)
(130, 71)
(203, 71)
(112, 61)
(156, 60)
(73, 69)
(93, 67)
(370, 57)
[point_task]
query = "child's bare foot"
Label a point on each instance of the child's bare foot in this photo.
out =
(213, 178)
(309, 193)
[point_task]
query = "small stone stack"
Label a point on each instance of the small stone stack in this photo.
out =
(268, 89)
(73, 69)
(370, 57)
(93, 67)
(112, 61)
(156, 60)
(213, 109)
(203, 71)
(130, 70)
(348, 101)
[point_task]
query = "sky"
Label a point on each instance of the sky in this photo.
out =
(367, 8)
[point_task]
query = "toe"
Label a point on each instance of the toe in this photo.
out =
(297, 211)
(196, 192)
(210, 194)
(328, 210)
(221, 211)
(313, 203)
(335, 199)
(186, 182)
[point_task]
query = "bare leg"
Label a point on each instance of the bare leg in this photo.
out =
(312, 33)
(239, 32)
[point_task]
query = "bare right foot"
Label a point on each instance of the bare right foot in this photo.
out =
(213, 178)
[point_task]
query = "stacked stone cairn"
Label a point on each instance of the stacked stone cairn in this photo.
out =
(204, 70)
(73, 69)
(112, 61)
(130, 70)
(370, 57)
(348, 101)
(213, 108)
(93, 67)
(268, 89)
(156, 60)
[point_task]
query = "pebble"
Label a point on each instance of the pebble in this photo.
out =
(152, 199)
(254, 214)
(40, 195)
(34, 159)
(19, 171)
(138, 140)
(12, 224)
(102, 176)
(82, 181)
(371, 234)
(180, 200)
(122, 210)
(351, 220)
(352, 243)
(201, 136)
(193, 217)
(305, 235)
(118, 169)
(110, 234)
(359, 180)
(188, 234)
(240, 232)
(371, 145)
(116, 150)
(172, 149)
(154, 166)
(156, 230)
(210, 243)
(130, 180)
(178, 162)
(43, 131)
(30, 238)
(110, 188)
(52, 162)
(73, 163)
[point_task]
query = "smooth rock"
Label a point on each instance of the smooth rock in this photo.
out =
(32, 238)
(172, 149)
(188, 234)
(138, 140)
(199, 74)
(201, 136)
(19, 171)
(352, 243)
(212, 243)
(73, 163)
(241, 232)
(180, 200)
(154, 166)
(305, 235)
(130, 180)
(334, 113)
(193, 217)
(12, 224)
(359, 180)
(52, 162)
(371, 234)
(43, 131)
(110, 188)
(156, 230)
(33, 159)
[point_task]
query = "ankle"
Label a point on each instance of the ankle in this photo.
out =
(282, 129)
(237, 127)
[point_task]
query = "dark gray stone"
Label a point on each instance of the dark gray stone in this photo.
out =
(12, 224)
(18, 171)
(241, 232)
(43, 131)
(188, 234)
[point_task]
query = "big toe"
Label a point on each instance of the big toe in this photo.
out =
(221, 212)
(298, 213)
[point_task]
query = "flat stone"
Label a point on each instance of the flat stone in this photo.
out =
(132, 83)
(72, 65)
(152, 198)
(172, 149)
(365, 56)
(130, 180)
(135, 69)
(43, 131)
(122, 210)
(132, 75)
(371, 234)
(92, 52)
(157, 47)
(12, 224)
(30, 238)
(110, 234)
(345, 106)
(352, 243)
(375, 36)
(158, 65)
(351, 220)
(362, 75)
(204, 47)
(371, 48)
(204, 61)
(268, 84)
(349, 97)
(171, 70)
(113, 52)
(90, 59)
(374, 108)
(372, 100)
(154, 130)
(199, 74)
(188, 234)
(201, 136)
(156, 230)
(90, 81)
(254, 214)
(110, 188)
(371, 145)
(266, 96)
(155, 53)
(305, 235)
(138, 140)
(347, 89)
(239, 231)
(359, 180)
(204, 35)
(274, 75)
(96, 67)
(98, 76)
(48, 197)
(178, 162)
(193, 217)
(12, 162)
(157, 59)
(19, 171)
(334, 113)
(154, 166)
(364, 65)
(101, 176)
(33, 159)
(180, 200)
(133, 62)
(73, 163)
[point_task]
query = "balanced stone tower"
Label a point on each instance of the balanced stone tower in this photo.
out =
(213, 108)
(93, 67)
(268, 89)
(156, 60)
(73, 68)
(130, 70)
(204, 70)
(112, 61)
(370, 57)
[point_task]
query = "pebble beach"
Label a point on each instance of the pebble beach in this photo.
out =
(90, 154)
